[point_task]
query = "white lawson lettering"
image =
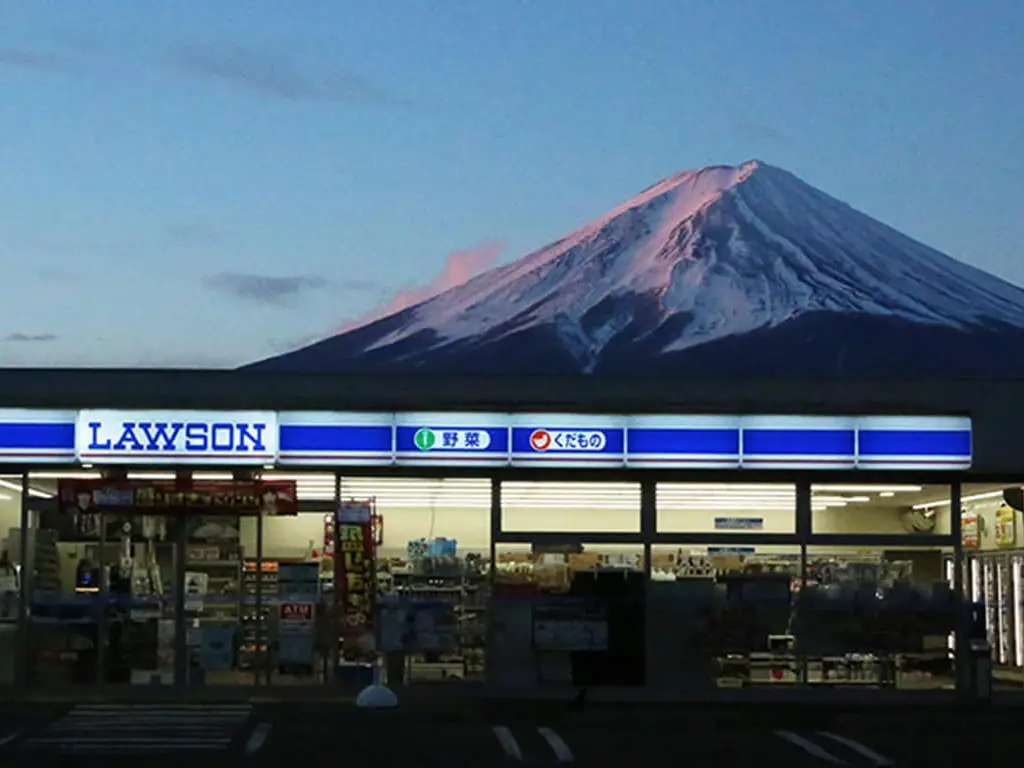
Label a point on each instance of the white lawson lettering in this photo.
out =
(167, 437)
(122, 436)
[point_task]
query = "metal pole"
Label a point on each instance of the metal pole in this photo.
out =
(261, 634)
(495, 527)
(961, 632)
(24, 587)
(103, 600)
(181, 659)
(804, 520)
(334, 625)
(648, 520)
(496, 531)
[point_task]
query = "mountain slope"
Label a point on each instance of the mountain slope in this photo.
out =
(740, 270)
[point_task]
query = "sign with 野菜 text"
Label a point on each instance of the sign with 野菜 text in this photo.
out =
(478, 439)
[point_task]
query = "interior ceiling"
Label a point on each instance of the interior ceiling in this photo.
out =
(475, 492)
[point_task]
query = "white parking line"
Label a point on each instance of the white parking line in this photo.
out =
(863, 749)
(508, 742)
(810, 747)
(257, 739)
(557, 744)
(5, 740)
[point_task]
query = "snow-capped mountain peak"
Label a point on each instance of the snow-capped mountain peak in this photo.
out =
(699, 257)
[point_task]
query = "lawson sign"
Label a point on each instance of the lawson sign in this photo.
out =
(133, 437)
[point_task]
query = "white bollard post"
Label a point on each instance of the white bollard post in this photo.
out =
(376, 695)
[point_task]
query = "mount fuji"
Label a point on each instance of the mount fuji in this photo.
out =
(723, 271)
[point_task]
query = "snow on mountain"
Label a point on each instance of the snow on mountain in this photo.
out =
(704, 256)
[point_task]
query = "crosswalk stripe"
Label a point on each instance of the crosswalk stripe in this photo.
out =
(142, 728)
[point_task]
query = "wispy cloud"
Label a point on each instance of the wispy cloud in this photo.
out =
(54, 274)
(193, 233)
(263, 289)
(459, 267)
(19, 58)
(756, 130)
(276, 77)
(29, 338)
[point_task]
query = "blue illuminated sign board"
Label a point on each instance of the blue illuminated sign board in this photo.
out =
(485, 439)
(37, 437)
(473, 439)
(913, 442)
(814, 442)
(683, 442)
(567, 440)
(183, 437)
(314, 438)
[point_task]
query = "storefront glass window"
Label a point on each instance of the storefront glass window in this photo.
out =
(11, 574)
(431, 543)
(993, 545)
(722, 616)
(879, 616)
(880, 508)
(568, 613)
(570, 507)
(139, 578)
(68, 560)
(726, 508)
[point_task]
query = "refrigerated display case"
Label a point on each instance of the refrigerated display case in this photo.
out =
(1004, 610)
(1016, 573)
(995, 579)
(948, 571)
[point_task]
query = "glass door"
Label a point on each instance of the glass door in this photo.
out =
(139, 628)
(213, 608)
(974, 581)
(63, 571)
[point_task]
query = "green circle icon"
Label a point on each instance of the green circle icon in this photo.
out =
(425, 439)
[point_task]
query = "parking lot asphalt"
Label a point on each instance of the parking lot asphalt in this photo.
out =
(296, 733)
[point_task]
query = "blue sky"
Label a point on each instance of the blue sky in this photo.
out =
(207, 183)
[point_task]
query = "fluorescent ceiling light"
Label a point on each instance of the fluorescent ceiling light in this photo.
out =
(882, 489)
(31, 491)
(788, 487)
(965, 499)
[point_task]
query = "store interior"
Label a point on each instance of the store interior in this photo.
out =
(433, 545)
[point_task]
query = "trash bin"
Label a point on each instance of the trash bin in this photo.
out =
(981, 670)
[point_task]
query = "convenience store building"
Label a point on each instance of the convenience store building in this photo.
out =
(179, 528)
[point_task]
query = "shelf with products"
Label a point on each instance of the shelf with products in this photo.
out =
(554, 572)
(258, 622)
(298, 580)
(444, 578)
(213, 581)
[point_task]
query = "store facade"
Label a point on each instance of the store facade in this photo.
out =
(236, 546)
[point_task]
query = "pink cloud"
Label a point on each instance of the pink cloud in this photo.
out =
(459, 267)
